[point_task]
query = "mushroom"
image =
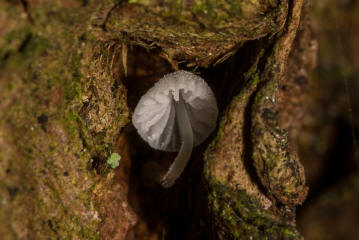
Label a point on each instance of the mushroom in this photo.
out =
(175, 115)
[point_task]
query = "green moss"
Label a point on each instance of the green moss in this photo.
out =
(69, 121)
(238, 216)
(27, 46)
(273, 3)
(272, 157)
(142, 2)
(255, 79)
(206, 24)
(47, 59)
(72, 90)
(73, 87)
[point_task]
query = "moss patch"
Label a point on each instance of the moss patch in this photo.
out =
(238, 216)
(201, 32)
(45, 179)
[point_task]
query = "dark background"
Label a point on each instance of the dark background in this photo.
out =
(328, 142)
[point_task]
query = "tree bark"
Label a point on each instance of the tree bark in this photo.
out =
(71, 73)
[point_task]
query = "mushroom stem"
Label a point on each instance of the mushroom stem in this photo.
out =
(186, 135)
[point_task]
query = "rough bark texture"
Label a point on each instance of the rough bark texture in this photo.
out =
(252, 152)
(72, 72)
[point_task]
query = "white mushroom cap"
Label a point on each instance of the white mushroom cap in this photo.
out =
(154, 116)
(180, 108)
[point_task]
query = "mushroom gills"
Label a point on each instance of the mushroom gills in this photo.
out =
(186, 136)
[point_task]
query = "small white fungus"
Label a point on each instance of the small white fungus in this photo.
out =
(176, 114)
